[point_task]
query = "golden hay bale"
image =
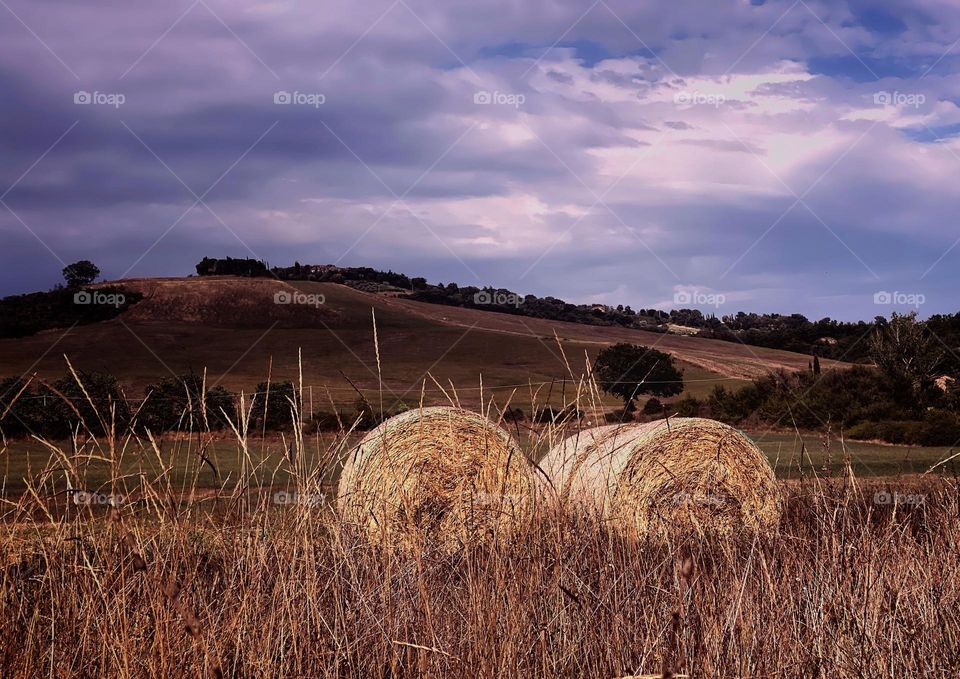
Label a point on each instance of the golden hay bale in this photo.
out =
(440, 473)
(688, 474)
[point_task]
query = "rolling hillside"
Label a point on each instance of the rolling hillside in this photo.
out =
(233, 328)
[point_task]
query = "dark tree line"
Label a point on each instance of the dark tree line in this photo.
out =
(185, 403)
(228, 266)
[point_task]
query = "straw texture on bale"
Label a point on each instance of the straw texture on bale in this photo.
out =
(686, 474)
(436, 473)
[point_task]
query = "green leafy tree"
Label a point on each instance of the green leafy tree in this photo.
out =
(78, 274)
(628, 370)
(909, 354)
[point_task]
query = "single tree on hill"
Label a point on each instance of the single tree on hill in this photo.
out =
(628, 370)
(909, 354)
(80, 273)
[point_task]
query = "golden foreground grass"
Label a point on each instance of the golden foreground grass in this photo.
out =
(846, 587)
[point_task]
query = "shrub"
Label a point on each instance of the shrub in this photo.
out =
(369, 417)
(689, 406)
(549, 414)
(363, 414)
(273, 403)
(653, 406)
(842, 397)
(326, 421)
(514, 415)
(904, 432)
(940, 428)
(23, 406)
(184, 403)
(99, 404)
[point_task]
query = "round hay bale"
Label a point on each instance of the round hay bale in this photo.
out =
(437, 473)
(688, 474)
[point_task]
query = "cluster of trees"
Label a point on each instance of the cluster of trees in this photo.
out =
(54, 410)
(64, 306)
(24, 315)
(945, 329)
(859, 402)
(367, 278)
(827, 337)
(509, 302)
(228, 266)
(912, 395)
(330, 273)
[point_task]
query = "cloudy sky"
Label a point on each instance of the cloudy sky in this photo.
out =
(768, 156)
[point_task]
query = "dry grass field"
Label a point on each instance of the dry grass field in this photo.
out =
(726, 359)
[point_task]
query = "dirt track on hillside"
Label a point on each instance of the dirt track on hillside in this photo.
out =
(728, 359)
